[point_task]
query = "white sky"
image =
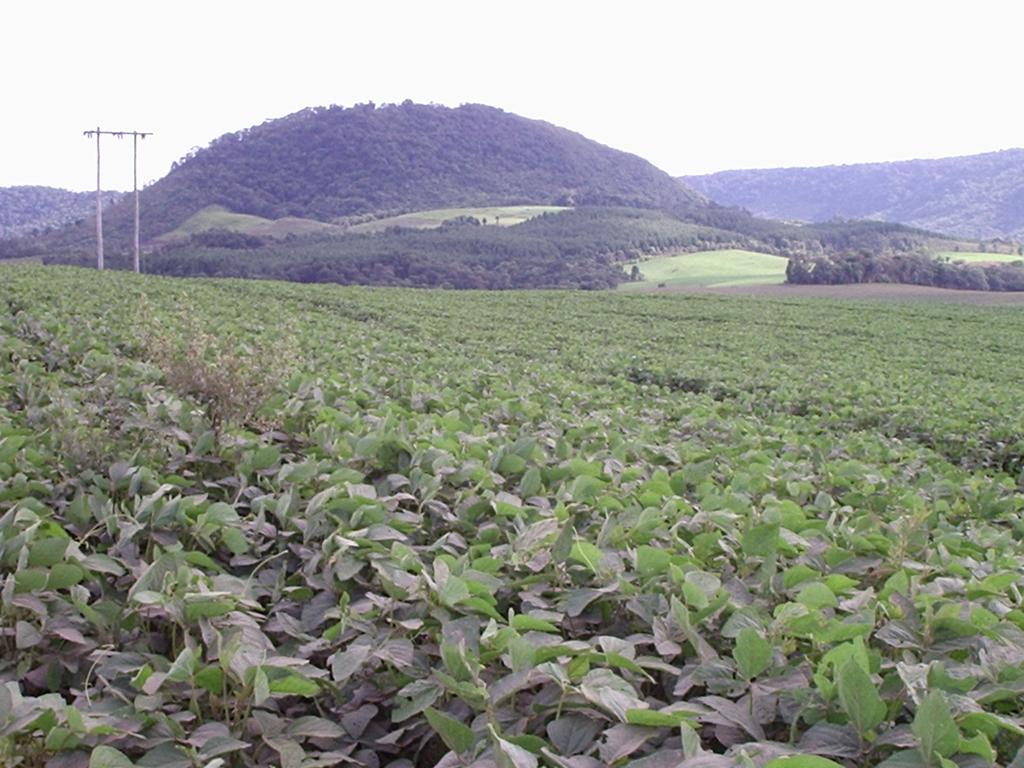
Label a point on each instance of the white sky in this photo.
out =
(693, 85)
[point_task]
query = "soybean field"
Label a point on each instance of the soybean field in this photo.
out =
(266, 524)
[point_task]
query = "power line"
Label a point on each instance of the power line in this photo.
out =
(136, 135)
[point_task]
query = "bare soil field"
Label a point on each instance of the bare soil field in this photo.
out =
(869, 291)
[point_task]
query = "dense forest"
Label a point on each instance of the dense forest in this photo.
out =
(580, 248)
(977, 197)
(330, 162)
(29, 210)
(910, 268)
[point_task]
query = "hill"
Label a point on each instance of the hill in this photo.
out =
(977, 196)
(25, 210)
(329, 162)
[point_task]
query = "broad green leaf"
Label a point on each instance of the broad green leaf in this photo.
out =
(761, 540)
(586, 553)
(509, 755)
(802, 761)
(294, 685)
(47, 552)
(611, 693)
(859, 697)
(525, 623)
(817, 595)
(265, 457)
(458, 737)
(260, 687)
(934, 727)
(108, 757)
(453, 591)
(651, 561)
(64, 575)
(659, 718)
(753, 654)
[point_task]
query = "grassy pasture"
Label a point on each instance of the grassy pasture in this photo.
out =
(218, 217)
(972, 257)
(505, 216)
(710, 269)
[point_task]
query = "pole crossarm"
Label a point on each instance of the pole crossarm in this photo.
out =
(118, 134)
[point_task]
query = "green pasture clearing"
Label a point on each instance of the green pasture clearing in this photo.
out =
(504, 215)
(218, 217)
(980, 257)
(710, 269)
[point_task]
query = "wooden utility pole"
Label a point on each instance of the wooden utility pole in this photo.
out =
(136, 135)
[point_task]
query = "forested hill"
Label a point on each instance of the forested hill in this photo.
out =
(325, 163)
(978, 196)
(24, 210)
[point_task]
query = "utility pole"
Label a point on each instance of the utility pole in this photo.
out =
(136, 135)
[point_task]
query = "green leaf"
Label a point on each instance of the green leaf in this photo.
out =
(509, 755)
(817, 595)
(294, 685)
(183, 666)
(761, 540)
(859, 698)
(260, 687)
(935, 728)
(459, 738)
(205, 606)
(47, 552)
(586, 553)
(453, 592)
(64, 575)
(801, 761)
(265, 457)
(234, 540)
(108, 757)
(530, 484)
(524, 623)
(753, 654)
(610, 692)
(651, 561)
(658, 718)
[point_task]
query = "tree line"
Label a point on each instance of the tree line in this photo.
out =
(910, 268)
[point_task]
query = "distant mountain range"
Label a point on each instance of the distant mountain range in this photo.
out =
(28, 210)
(978, 196)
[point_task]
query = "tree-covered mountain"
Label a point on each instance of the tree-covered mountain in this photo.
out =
(329, 162)
(977, 197)
(26, 210)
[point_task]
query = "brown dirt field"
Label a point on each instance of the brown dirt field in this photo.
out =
(865, 291)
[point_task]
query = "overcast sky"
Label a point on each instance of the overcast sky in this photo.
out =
(693, 85)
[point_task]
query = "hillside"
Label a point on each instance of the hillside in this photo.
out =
(329, 162)
(978, 196)
(24, 210)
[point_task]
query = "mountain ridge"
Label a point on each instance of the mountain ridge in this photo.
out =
(28, 208)
(974, 196)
